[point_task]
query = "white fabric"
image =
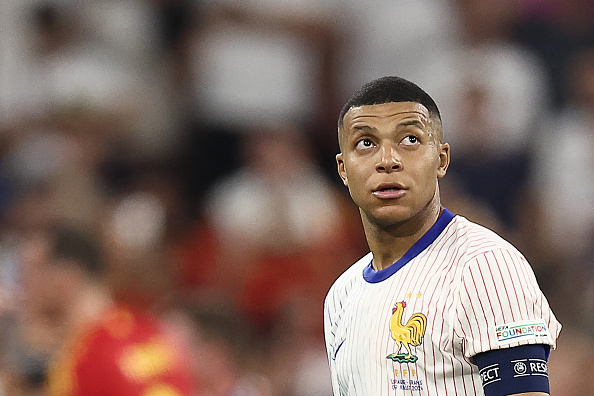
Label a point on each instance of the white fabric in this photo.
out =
(468, 283)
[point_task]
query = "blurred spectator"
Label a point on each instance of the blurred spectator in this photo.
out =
(562, 189)
(263, 61)
(134, 235)
(253, 63)
(277, 228)
(297, 334)
(105, 347)
(73, 68)
(555, 30)
(54, 165)
(498, 93)
(225, 359)
(395, 37)
(98, 55)
(22, 365)
(279, 200)
(151, 121)
(16, 88)
(258, 62)
(564, 172)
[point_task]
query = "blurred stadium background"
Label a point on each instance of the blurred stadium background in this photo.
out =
(201, 135)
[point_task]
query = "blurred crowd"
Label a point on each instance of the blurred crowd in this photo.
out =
(195, 140)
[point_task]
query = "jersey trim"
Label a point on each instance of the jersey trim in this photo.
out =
(373, 276)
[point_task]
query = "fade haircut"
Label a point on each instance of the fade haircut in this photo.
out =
(391, 89)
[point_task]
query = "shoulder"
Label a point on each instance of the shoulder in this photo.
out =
(132, 351)
(342, 287)
(90, 350)
(115, 331)
(473, 240)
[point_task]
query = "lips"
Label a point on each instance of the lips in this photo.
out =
(389, 191)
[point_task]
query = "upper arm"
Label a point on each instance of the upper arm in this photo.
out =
(499, 298)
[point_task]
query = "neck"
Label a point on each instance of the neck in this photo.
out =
(389, 243)
(92, 301)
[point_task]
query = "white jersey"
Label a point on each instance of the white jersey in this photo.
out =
(412, 328)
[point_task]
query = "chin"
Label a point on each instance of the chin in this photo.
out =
(391, 215)
(395, 214)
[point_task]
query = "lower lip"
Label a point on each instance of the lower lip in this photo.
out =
(389, 194)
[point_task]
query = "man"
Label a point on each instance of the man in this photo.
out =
(107, 348)
(440, 306)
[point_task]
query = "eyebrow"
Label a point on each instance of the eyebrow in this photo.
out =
(415, 123)
(401, 125)
(404, 123)
(363, 128)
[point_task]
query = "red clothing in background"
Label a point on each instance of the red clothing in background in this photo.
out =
(123, 353)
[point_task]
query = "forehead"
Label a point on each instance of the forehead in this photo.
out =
(386, 112)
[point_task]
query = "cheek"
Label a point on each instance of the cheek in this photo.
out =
(356, 174)
(427, 172)
(355, 180)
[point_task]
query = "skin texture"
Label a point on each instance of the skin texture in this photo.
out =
(398, 146)
(391, 159)
(531, 394)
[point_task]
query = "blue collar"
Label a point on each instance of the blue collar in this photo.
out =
(373, 276)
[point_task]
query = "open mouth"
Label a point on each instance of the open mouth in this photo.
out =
(388, 191)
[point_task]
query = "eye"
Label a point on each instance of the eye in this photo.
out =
(364, 144)
(410, 140)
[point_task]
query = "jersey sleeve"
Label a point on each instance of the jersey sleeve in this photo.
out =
(501, 305)
(329, 337)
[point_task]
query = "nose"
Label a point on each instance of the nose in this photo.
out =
(388, 160)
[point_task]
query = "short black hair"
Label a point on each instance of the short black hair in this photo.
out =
(387, 90)
(68, 242)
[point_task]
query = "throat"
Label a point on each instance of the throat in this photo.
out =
(390, 243)
(383, 261)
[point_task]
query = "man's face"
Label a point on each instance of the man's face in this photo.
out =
(391, 157)
(48, 282)
(39, 282)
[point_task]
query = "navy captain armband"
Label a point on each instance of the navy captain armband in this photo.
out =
(514, 370)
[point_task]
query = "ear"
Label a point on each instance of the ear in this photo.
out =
(341, 169)
(444, 159)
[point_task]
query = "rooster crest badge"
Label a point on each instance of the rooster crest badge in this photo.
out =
(408, 334)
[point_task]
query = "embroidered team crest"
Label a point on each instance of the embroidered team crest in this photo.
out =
(408, 334)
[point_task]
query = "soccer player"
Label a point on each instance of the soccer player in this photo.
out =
(440, 305)
(109, 348)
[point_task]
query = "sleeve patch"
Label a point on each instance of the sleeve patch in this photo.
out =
(526, 367)
(519, 331)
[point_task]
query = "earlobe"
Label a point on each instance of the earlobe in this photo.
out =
(341, 169)
(444, 160)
